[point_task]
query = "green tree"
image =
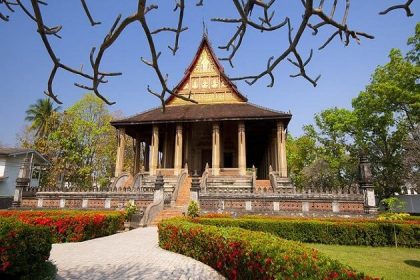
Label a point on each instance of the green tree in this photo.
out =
(42, 117)
(82, 146)
(301, 152)
(388, 114)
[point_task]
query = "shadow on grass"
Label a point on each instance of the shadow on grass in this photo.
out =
(414, 263)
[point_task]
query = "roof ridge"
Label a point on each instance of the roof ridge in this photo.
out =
(269, 109)
(136, 114)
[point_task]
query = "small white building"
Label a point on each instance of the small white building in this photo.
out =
(11, 160)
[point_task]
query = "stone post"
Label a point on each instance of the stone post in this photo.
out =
(281, 149)
(195, 187)
(22, 182)
(216, 149)
(178, 149)
(365, 183)
(155, 150)
(241, 149)
(119, 164)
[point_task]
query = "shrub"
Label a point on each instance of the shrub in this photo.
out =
(241, 254)
(340, 232)
(130, 210)
(72, 226)
(193, 209)
(23, 248)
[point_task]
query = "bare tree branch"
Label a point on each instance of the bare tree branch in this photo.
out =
(86, 9)
(405, 6)
(323, 12)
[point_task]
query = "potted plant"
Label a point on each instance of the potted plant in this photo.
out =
(130, 209)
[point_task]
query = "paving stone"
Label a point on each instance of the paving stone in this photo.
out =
(129, 255)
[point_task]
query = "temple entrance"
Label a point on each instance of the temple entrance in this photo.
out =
(228, 160)
(205, 158)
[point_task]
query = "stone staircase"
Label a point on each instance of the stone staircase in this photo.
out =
(181, 203)
(263, 186)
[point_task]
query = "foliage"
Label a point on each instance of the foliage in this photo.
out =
(72, 226)
(323, 157)
(24, 248)
(394, 204)
(339, 231)
(41, 115)
(383, 125)
(241, 254)
(193, 209)
(301, 152)
(130, 210)
(81, 147)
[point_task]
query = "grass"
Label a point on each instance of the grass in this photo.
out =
(387, 262)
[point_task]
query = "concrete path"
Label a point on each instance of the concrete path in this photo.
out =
(129, 255)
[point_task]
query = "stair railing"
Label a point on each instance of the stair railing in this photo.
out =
(180, 181)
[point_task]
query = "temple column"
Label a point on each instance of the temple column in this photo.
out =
(273, 154)
(215, 161)
(281, 149)
(146, 155)
(137, 155)
(119, 164)
(241, 149)
(155, 150)
(178, 149)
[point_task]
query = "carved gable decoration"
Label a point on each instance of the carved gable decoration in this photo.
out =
(205, 82)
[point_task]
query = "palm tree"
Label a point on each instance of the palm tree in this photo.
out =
(41, 114)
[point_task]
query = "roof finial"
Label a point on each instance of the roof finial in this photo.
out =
(205, 30)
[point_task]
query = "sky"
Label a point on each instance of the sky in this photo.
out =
(345, 70)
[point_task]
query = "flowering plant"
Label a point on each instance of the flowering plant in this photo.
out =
(130, 210)
(242, 254)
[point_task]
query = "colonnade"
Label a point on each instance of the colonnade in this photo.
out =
(278, 150)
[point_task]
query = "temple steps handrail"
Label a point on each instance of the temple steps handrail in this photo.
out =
(180, 181)
(152, 210)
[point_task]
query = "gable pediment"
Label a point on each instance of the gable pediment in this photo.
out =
(205, 81)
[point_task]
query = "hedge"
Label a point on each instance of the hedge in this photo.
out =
(242, 254)
(340, 232)
(72, 226)
(23, 248)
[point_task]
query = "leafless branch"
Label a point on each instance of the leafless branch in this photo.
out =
(154, 60)
(405, 6)
(323, 12)
(86, 9)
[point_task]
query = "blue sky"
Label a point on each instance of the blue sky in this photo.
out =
(25, 65)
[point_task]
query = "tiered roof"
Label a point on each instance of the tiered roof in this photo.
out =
(218, 98)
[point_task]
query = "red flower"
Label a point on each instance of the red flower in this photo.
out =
(334, 275)
(5, 265)
(219, 265)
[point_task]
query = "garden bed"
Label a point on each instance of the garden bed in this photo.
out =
(366, 232)
(24, 248)
(242, 254)
(72, 225)
(26, 237)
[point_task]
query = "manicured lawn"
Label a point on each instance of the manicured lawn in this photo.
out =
(387, 262)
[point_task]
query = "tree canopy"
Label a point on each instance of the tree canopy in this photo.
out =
(383, 125)
(82, 146)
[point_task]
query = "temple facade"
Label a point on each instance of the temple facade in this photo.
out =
(223, 134)
(224, 152)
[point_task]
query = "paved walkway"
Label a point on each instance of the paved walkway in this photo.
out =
(129, 255)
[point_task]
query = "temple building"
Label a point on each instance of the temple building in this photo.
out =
(224, 132)
(225, 153)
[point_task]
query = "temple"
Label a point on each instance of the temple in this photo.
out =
(222, 134)
(225, 153)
